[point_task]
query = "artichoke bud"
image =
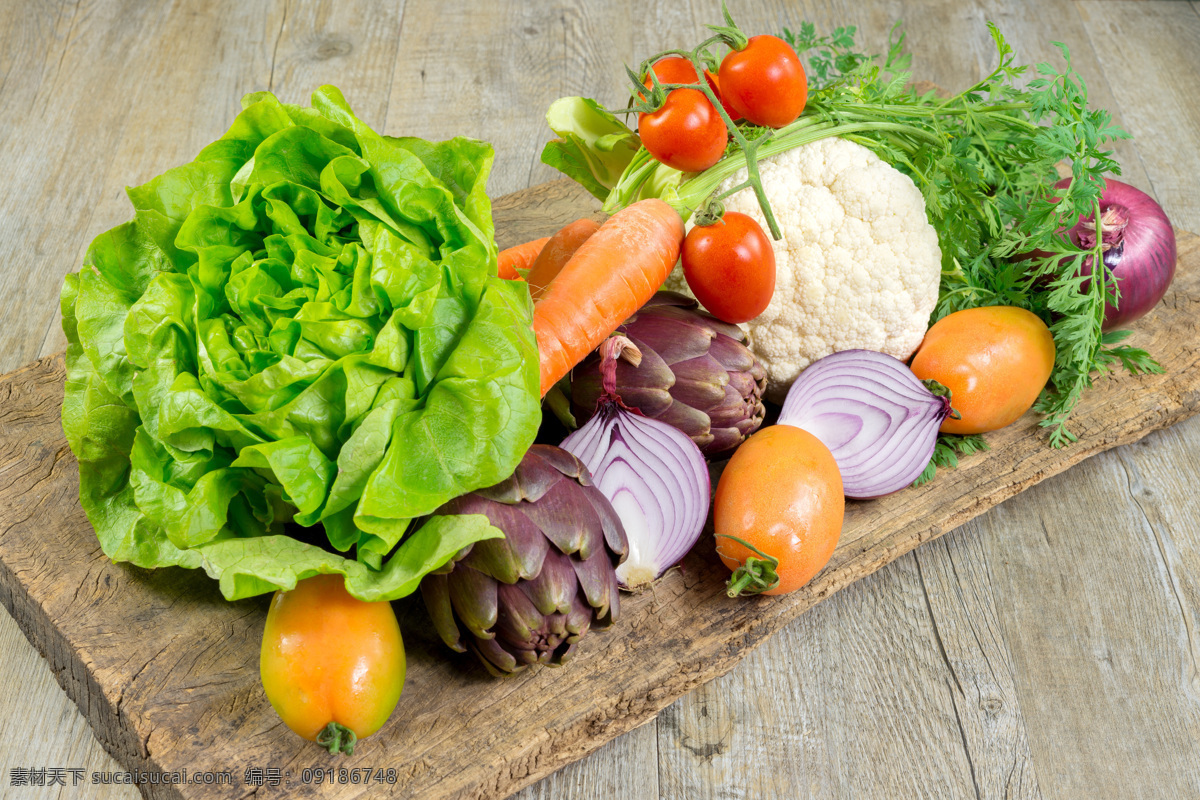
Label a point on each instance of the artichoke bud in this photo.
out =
(528, 598)
(697, 373)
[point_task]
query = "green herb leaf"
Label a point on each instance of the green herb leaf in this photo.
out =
(946, 450)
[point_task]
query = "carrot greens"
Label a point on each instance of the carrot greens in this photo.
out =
(988, 189)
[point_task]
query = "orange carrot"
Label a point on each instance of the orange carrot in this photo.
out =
(517, 257)
(610, 276)
(557, 253)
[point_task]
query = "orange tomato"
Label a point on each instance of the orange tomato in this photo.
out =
(994, 360)
(332, 665)
(782, 493)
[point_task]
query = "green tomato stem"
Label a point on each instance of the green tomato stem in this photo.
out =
(749, 149)
(732, 36)
(710, 213)
(730, 33)
(337, 738)
(757, 574)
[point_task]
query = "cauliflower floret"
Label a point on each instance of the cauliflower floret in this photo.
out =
(858, 265)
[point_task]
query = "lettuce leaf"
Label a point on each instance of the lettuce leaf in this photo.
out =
(299, 337)
(594, 147)
(600, 153)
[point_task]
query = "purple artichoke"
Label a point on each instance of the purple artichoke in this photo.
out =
(529, 597)
(696, 373)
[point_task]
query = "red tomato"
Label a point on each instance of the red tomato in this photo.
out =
(715, 83)
(686, 134)
(677, 69)
(994, 360)
(730, 267)
(672, 69)
(764, 82)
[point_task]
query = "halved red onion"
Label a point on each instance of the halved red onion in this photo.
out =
(653, 475)
(879, 421)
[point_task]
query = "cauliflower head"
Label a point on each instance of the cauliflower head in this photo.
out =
(858, 265)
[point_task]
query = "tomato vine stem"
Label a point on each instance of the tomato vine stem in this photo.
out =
(804, 130)
(658, 92)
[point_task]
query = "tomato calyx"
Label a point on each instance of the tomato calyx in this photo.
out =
(757, 574)
(651, 98)
(730, 32)
(337, 738)
(709, 213)
(942, 391)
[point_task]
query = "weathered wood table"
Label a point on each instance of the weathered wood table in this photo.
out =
(1050, 647)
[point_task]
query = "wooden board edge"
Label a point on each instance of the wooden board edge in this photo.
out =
(122, 741)
(67, 664)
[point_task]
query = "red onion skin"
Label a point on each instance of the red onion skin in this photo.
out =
(1142, 259)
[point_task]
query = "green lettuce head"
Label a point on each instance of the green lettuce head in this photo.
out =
(303, 325)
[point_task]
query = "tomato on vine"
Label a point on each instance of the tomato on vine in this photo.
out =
(686, 133)
(677, 69)
(764, 82)
(715, 84)
(730, 267)
(672, 69)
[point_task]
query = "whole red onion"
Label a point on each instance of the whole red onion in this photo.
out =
(1139, 249)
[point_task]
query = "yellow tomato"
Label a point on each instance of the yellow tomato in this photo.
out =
(332, 665)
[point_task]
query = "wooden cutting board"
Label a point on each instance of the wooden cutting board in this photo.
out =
(165, 670)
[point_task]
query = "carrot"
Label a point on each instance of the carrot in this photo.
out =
(557, 253)
(610, 276)
(517, 257)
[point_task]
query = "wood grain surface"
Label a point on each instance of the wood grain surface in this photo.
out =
(1048, 647)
